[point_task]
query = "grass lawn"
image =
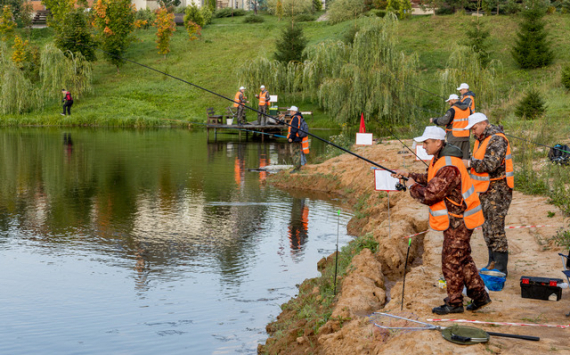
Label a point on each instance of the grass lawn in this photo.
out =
(137, 96)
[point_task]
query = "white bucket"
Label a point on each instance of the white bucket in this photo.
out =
(229, 121)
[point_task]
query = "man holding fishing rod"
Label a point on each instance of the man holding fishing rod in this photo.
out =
(455, 121)
(494, 179)
(455, 209)
(239, 101)
(298, 138)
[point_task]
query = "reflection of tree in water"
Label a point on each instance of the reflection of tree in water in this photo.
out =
(299, 225)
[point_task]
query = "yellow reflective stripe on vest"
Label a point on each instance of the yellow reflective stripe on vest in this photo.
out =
(474, 210)
(438, 213)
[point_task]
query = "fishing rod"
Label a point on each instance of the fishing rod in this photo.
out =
(240, 129)
(248, 107)
(404, 144)
(535, 143)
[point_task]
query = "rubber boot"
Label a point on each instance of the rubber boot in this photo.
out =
(491, 262)
(501, 261)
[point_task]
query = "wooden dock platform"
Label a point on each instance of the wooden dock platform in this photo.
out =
(261, 130)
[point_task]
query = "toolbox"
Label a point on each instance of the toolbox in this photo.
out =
(541, 288)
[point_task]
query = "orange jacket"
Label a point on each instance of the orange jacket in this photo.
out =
(438, 214)
(460, 121)
(481, 181)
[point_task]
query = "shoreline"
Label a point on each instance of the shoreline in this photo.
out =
(364, 288)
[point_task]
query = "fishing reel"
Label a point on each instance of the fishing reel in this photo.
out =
(401, 187)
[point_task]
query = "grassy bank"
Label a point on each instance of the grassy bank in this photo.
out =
(139, 97)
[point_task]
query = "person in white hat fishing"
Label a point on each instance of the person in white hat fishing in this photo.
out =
(455, 209)
(455, 120)
(263, 105)
(467, 100)
(239, 101)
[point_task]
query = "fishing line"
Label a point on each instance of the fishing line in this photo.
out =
(245, 106)
(404, 144)
(531, 142)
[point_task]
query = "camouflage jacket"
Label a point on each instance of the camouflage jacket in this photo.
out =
(494, 160)
(445, 185)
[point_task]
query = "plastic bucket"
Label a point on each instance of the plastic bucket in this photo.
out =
(493, 279)
(229, 121)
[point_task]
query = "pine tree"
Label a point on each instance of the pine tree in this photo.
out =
(291, 45)
(19, 54)
(74, 36)
(477, 36)
(532, 49)
(531, 106)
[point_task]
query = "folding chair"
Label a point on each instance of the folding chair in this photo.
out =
(212, 117)
(566, 271)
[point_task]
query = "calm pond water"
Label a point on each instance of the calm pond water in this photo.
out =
(149, 242)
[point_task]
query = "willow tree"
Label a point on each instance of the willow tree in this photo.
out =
(464, 66)
(369, 76)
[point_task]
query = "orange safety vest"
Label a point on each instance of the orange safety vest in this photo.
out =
(460, 121)
(263, 98)
(438, 214)
(481, 181)
(237, 100)
(305, 140)
(472, 106)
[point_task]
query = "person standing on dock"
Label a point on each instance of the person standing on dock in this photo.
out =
(239, 101)
(298, 138)
(455, 209)
(494, 179)
(467, 100)
(455, 121)
(67, 102)
(263, 105)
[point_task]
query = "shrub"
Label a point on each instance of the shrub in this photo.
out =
(304, 18)
(444, 11)
(377, 13)
(229, 12)
(206, 14)
(193, 14)
(566, 77)
(144, 18)
(349, 35)
(317, 5)
(531, 106)
(342, 10)
(253, 19)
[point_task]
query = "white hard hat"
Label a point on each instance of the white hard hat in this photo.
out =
(431, 132)
(242, 88)
(452, 97)
(293, 108)
(262, 87)
(476, 118)
(463, 86)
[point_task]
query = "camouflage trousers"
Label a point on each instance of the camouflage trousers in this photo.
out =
(262, 119)
(296, 154)
(495, 203)
(240, 114)
(459, 269)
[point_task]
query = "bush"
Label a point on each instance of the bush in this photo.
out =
(349, 35)
(253, 19)
(291, 45)
(566, 77)
(317, 5)
(206, 14)
(228, 12)
(342, 10)
(193, 14)
(531, 106)
(304, 18)
(377, 13)
(444, 11)
(144, 18)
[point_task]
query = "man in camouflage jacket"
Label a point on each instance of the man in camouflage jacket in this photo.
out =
(497, 199)
(457, 264)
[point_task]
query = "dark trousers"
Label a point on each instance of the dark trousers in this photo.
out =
(67, 105)
(241, 114)
(262, 119)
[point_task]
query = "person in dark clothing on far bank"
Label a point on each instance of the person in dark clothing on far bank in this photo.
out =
(455, 120)
(67, 102)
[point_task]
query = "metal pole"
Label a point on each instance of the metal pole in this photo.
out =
(336, 258)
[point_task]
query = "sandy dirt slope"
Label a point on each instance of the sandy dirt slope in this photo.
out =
(364, 290)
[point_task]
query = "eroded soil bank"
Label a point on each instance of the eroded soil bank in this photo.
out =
(363, 289)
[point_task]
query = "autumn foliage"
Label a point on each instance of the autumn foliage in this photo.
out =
(19, 55)
(7, 24)
(165, 27)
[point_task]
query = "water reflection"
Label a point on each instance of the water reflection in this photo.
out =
(175, 227)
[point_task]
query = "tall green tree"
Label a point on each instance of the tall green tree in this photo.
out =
(58, 10)
(477, 39)
(291, 45)
(532, 49)
(114, 20)
(74, 35)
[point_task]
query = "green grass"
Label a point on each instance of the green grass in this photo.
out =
(138, 96)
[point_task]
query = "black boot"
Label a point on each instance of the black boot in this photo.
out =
(501, 261)
(491, 262)
(446, 309)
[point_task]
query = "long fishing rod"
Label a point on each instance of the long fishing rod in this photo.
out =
(404, 144)
(535, 143)
(245, 106)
